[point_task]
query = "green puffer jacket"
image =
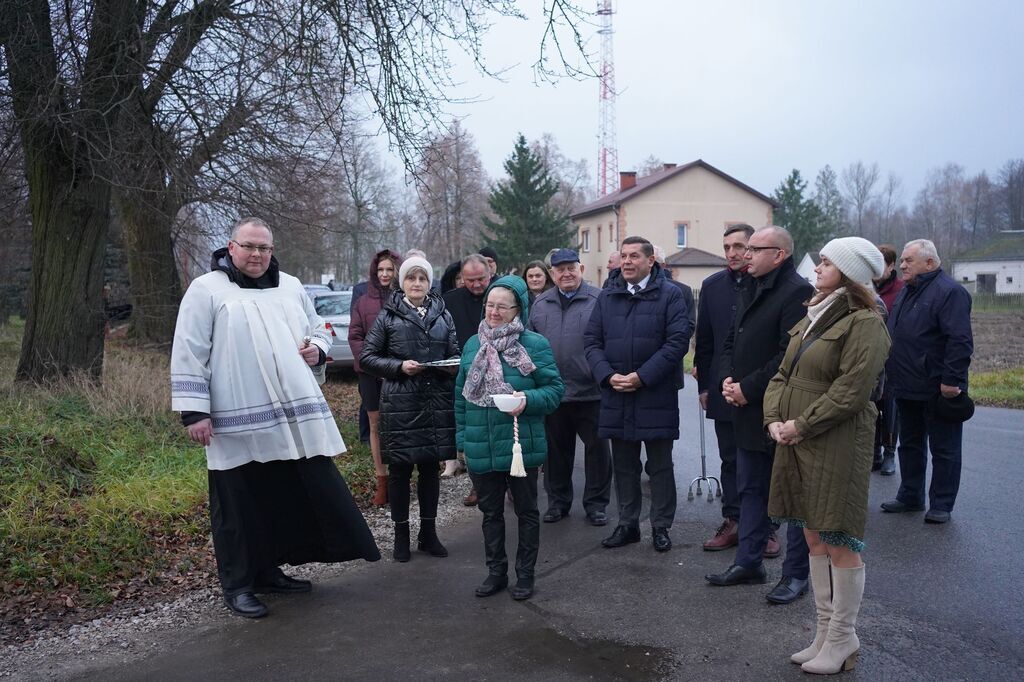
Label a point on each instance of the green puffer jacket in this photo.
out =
(485, 433)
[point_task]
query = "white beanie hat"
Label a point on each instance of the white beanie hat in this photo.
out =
(856, 257)
(415, 262)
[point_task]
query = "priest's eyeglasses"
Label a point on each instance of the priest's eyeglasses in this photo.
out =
(253, 248)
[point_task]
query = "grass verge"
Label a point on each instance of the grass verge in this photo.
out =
(102, 497)
(1000, 388)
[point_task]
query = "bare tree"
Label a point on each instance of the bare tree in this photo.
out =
(858, 183)
(1011, 177)
(829, 201)
(651, 164)
(162, 98)
(889, 202)
(575, 188)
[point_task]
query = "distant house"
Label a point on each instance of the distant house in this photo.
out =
(993, 268)
(807, 264)
(684, 209)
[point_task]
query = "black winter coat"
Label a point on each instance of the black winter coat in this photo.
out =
(757, 342)
(719, 298)
(647, 333)
(417, 413)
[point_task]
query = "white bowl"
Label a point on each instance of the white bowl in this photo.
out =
(506, 402)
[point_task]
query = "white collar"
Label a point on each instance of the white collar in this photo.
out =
(642, 284)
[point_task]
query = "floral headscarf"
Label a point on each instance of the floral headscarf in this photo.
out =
(485, 377)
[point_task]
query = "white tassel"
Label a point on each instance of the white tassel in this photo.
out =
(517, 470)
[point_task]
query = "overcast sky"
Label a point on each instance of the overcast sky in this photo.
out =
(757, 88)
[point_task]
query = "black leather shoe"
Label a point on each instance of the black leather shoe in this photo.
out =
(552, 515)
(936, 516)
(246, 604)
(787, 591)
(898, 507)
(597, 518)
(662, 542)
(737, 575)
(876, 460)
(888, 464)
(621, 536)
(284, 584)
(523, 589)
(492, 585)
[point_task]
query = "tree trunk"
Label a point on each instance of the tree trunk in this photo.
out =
(70, 216)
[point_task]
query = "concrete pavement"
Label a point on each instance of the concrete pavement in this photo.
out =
(942, 602)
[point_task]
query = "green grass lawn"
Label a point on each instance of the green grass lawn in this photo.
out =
(1002, 388)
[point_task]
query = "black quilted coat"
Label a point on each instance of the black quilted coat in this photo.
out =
(417, 413)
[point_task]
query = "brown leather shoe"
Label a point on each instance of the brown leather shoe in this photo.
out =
(772, 548)
(380, 496)
(727, 535)
(471, 499)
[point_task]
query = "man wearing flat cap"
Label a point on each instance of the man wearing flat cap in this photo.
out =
(560, 314)
(932, 344)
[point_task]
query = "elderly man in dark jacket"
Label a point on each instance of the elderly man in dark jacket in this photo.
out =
(719, 296)
(753, 350)
(932, 344)
(635, 342)
(560, 314)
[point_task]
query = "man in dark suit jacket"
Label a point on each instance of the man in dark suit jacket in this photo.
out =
(635, 342)
(750, 358)
(719, 297)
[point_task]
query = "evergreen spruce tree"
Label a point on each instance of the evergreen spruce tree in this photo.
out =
(530, 225)
(800, 215)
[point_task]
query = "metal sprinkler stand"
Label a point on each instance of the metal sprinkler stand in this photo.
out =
(703, 478)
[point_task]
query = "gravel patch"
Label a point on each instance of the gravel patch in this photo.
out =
(130, 632)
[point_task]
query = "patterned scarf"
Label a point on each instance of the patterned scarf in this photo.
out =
(485, 376)
(421, 310)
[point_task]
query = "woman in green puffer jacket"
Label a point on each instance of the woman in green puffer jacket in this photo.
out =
(505, 358)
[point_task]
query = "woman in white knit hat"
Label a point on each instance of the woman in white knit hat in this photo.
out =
(417, 412)
(818, 411)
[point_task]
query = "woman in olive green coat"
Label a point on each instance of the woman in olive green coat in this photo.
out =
(819, 412)
(505, 358)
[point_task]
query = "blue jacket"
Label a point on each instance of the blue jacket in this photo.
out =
(648, 333)
(930, 326)
(719, 298)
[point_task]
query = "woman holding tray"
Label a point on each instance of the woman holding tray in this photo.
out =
(417, 421)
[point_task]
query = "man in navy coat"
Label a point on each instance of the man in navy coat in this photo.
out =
(719, 296)
(753, 350)
(635, 343)
(932, 344)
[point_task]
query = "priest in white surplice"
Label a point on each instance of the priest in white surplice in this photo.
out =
(246, 339)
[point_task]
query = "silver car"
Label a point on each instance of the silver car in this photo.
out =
(334, 306)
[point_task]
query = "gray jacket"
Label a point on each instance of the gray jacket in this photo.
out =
(563, 328)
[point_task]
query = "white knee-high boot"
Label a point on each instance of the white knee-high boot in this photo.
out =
(839, 652)
(821, 587)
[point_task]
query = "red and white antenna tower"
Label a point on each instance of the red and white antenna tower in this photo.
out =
(608, 151)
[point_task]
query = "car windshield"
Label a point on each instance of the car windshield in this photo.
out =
(333, 305)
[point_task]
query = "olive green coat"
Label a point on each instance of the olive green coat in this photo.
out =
(823, 479)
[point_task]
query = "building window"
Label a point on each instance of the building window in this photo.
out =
(611, 233)
(681, 229)
(586, 241)
(1009, 280)
(598, 237)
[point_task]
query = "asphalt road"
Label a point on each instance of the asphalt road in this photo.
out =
(942, 602)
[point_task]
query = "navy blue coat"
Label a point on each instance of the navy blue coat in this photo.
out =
(648, 333)
(719, 298)
(932, 343)
(757, 342)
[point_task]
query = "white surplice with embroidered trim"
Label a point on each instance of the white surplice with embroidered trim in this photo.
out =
(235, 357)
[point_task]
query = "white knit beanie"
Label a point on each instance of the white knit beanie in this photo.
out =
(856, 257)
(415, 262)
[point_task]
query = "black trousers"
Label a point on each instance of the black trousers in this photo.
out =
(283, 512)
(626, 460)
(490, 490)
(727, 451)
(887, 426)
(562, 426)
(428, 489)
(922, 432)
